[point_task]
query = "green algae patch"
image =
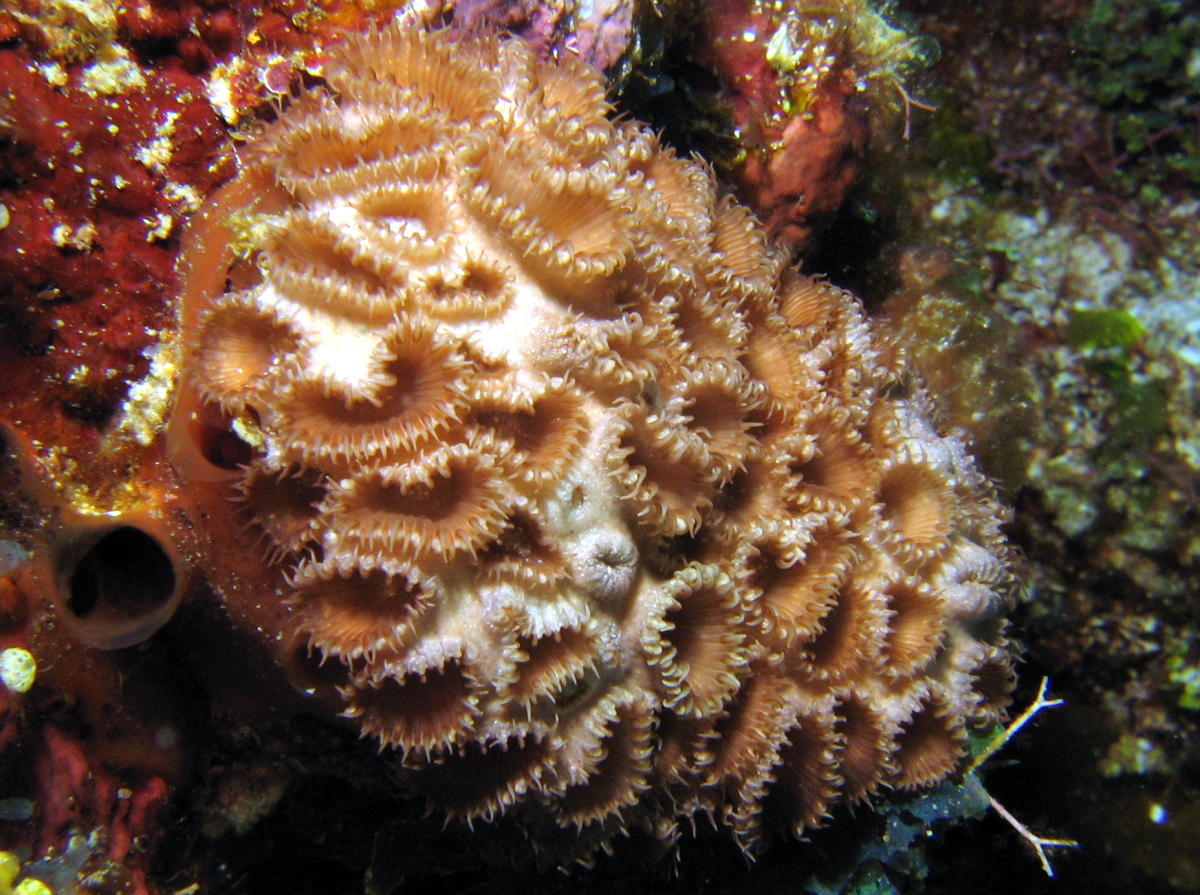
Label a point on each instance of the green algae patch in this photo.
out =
(1095, 328)
(1139, 60)
(1185, 676)
(957, 148)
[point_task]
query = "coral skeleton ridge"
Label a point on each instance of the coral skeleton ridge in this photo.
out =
(561, 484)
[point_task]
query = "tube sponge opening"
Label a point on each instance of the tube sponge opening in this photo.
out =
(117, 585)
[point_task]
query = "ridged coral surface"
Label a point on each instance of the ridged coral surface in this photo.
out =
(560, 483)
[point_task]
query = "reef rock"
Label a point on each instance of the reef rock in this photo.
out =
(563, 486)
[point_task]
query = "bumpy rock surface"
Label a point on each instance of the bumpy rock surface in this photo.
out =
(565, 487)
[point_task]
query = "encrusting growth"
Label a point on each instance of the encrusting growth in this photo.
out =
(562, 484)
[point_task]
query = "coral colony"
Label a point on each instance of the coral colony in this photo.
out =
(512, 444)
(574, 494)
